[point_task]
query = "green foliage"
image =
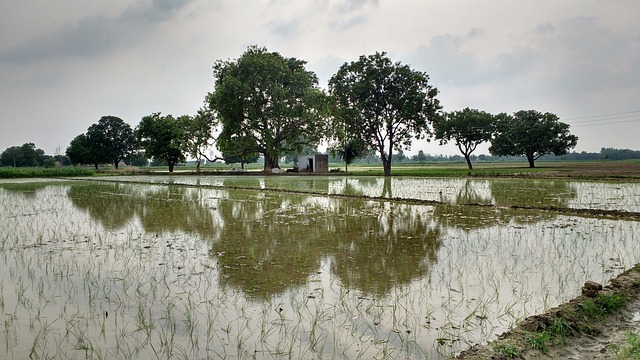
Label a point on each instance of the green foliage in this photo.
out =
(601, 306)
(197, 134)
(384, 104)
(531, 134)
(161, 137)
(508, 349)
(560, 328)
(237, 150)
(79, 151)
(110, 140)
(40, 172)
(349, 151)
(631, 350)
(137, 159)
(467, 129)
(539, 340)
(266, 104)
(23, 156)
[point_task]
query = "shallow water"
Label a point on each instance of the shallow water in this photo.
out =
(122, 270)
(576, 194)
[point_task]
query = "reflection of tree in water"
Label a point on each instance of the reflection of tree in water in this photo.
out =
(506, 193)
(113, 205)
(470, 193)
(159, 208)
(271, 242)
(309, 183)
(27, 189)
(534, 192)
(266, 245)
(386, 245)
(386, 188)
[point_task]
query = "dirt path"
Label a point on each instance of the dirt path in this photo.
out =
(600, 346)
(601, 342)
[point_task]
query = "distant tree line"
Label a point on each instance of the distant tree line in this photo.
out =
(423, 158)
(270, 107)
(28, 155)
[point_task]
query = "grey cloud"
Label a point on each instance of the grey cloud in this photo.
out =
(286, 29)
(476, 32)
(351, 5)
(585, 57)
(345, 24)
(546, 28)
(444, 60)
(94, 36)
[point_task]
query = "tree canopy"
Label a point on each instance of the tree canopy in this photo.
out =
(532, 134)
(384, 104)
(162, 137)
(110, 140)
(266, 104)
(22, 156)
(467, 128)
(79, 151)
(197, 132)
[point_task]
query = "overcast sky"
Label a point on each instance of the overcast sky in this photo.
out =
(66, 63)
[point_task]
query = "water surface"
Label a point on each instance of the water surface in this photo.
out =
(147, 270)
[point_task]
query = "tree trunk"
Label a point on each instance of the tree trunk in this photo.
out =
(530, 160)
(270, 162)
(115, 163)
(197, 165)
(468, 158)
(96, 165)
(386, 164)
(386, 159)
(171, 164)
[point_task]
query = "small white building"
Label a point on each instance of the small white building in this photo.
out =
(313, 163)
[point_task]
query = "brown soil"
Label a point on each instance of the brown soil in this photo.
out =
(597, 340)
(591, 170)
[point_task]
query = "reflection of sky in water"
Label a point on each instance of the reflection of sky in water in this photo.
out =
(503, 192)
(607, 196)
(474, 270)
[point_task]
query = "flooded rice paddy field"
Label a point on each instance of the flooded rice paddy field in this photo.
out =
(215, 268)
(576, 194)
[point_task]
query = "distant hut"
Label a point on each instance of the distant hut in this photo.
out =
(313, 163)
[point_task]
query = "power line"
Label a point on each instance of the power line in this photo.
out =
(608, 123)
(603, 115)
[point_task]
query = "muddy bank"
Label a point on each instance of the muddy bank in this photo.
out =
(584, 336)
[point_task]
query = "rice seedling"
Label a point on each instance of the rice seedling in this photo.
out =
(194, 274)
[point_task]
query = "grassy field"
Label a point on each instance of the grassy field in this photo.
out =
(586, 169)
(41, 172)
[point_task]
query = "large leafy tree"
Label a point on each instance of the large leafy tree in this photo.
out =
(111, 140)
(467, 129)
(80, 152)
(532, 134)
(384, 104)
(266, 104)
(162, 137)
